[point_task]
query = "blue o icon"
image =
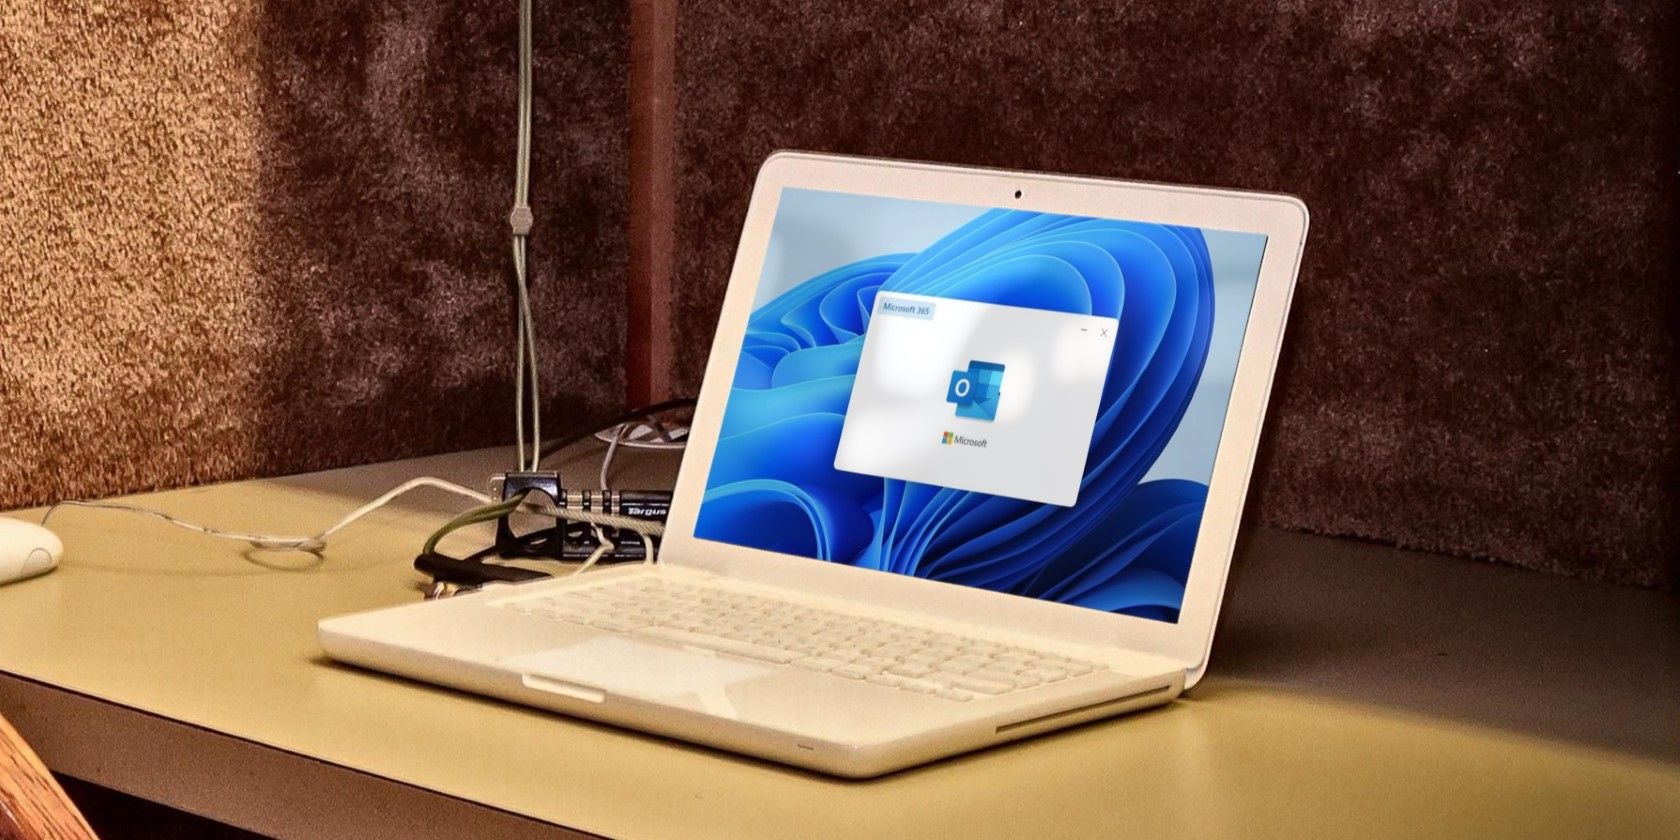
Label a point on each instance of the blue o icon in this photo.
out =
(975, 391)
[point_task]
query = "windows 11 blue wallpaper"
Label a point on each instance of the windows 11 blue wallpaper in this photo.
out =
(1179, 298)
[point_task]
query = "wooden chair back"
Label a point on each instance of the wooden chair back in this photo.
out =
(32, 804)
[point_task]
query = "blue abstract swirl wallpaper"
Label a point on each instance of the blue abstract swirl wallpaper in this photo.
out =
(1181, 298)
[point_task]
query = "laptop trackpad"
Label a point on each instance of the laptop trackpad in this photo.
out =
(645, 670)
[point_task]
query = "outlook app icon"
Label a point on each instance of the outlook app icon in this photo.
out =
(975, 391)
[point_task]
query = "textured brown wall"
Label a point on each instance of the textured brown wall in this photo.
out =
(244, 237)
(1483, 355)
(241, 238)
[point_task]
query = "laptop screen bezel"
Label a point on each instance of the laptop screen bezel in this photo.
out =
(1282, 219)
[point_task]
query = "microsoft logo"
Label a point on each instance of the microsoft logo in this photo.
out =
(952, 438)
(975, 391)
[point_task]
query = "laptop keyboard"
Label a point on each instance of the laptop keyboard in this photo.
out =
(915, 659)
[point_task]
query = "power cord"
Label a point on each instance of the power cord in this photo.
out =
(487, 512)
(521, 220)
(273, 542)
(612, 449)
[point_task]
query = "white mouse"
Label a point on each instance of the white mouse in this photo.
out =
(27, 550)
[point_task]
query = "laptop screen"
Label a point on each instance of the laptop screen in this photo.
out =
(1024, 402)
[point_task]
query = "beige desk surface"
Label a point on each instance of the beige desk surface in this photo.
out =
(1355, 691)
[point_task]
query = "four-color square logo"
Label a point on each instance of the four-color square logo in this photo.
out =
(976, 390)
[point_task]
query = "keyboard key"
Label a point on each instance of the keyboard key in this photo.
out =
(1073, 667)
(963, 664)
(980, 686)
(719, 644)
(919, 686)
(616, 624)
(818, 663)
(909, 669)
(993, 675)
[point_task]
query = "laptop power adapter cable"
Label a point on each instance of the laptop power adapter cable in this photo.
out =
(317, 543)
(314, 544)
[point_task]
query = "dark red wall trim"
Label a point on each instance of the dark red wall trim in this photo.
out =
(653, 141)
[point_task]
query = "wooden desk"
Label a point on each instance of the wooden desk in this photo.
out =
(1355, 691)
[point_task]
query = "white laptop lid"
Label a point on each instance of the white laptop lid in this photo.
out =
(1017, 399)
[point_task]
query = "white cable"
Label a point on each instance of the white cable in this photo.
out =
(603, 545)
(519, 383)
(531, 350)
(525, 339)
(612, 449)
(644, 528)
(274, 542)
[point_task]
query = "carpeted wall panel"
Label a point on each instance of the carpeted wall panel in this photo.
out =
(1482, 358)
(243, 238)
(255, 238)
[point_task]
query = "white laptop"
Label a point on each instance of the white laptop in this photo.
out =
(967, 466)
